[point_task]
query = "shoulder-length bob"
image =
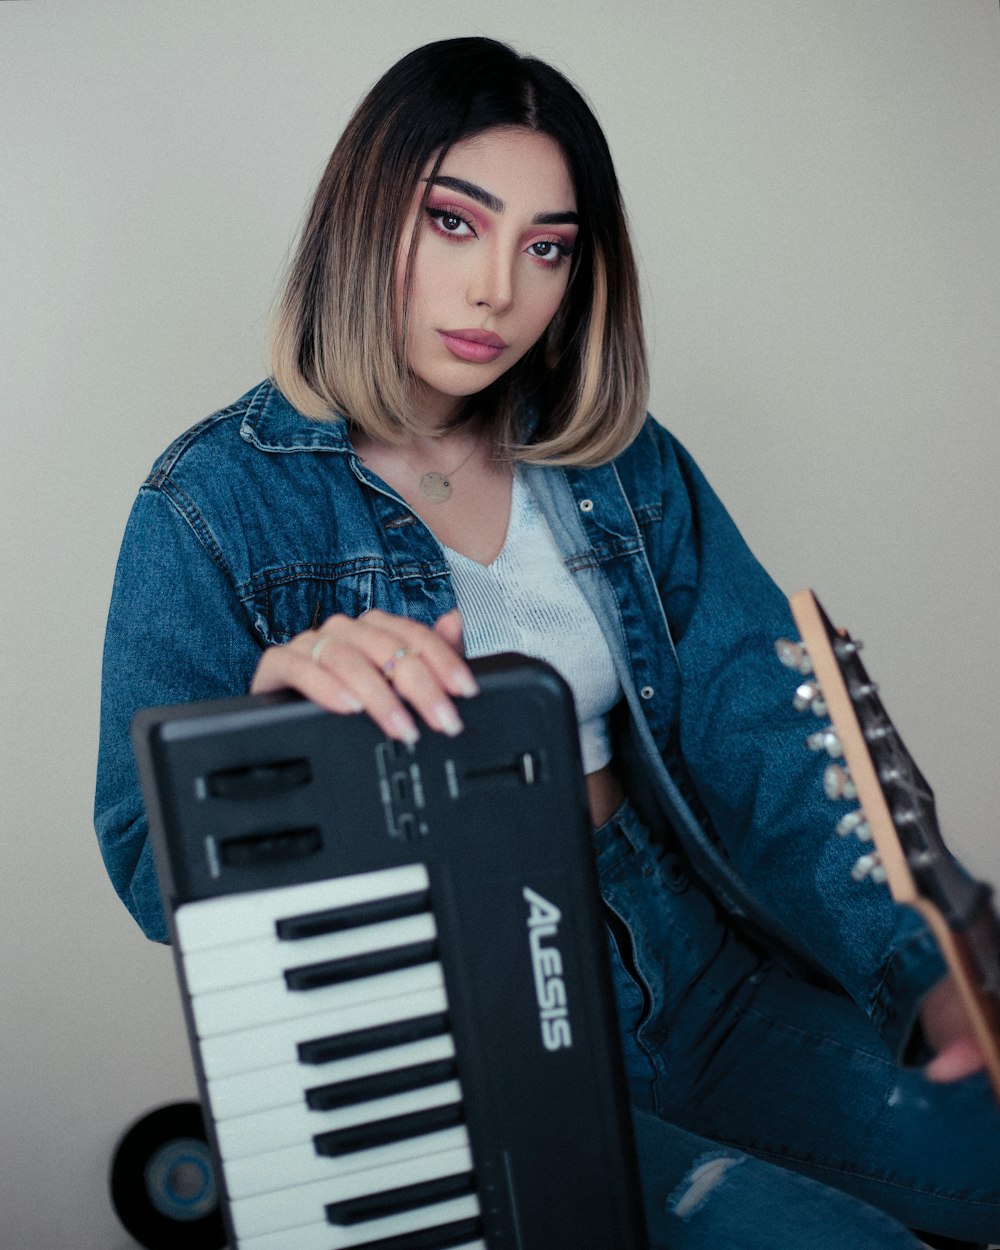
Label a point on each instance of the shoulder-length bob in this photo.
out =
(579, 396)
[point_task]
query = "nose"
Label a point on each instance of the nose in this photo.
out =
(491, 282)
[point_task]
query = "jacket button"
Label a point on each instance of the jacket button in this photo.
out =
(647, 692)
(586, 505)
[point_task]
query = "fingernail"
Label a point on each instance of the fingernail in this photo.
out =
(466, 684)
(404, 728)
(348, 702)
(447, 719)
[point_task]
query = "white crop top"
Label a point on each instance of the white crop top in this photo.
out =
(527, 601)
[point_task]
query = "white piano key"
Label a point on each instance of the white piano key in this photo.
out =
(329, 1237)
(248, 1092)
(228, 1010)
(298, 1165)
(300, 1204)
(239, 917)
(251, 1050)
(246, 963)
(284, 1126)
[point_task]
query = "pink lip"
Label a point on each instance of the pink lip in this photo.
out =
(479, 346)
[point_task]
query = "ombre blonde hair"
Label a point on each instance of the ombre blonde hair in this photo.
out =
(579, 396)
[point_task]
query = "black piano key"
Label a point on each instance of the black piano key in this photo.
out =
(367, 964)
(406, 1198)
(440, 1237)
(345, 1141)
(380, 1085)
(343, 1045)
(443, 1236)
(335, 919)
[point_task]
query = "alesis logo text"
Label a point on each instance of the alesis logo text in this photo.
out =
(547, 965)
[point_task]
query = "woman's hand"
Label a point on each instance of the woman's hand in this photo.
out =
(946, 1027)
(377, 664)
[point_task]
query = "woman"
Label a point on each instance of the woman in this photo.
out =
(456, 420)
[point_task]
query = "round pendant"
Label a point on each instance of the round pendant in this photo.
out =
(435, 487)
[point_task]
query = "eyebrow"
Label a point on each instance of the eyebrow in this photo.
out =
(495, 205)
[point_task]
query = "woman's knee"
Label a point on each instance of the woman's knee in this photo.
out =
(699, 1196)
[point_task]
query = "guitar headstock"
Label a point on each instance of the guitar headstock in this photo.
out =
(869, 762)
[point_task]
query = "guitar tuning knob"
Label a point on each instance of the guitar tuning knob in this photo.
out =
(825, 740)
(809, 696)
(844, 648)
(793, 655)
(869, 866)
(837, 783)
(854, 822)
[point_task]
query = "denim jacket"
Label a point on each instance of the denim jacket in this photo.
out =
(257, 524)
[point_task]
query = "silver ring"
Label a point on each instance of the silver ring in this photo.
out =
(399, 654)
(317, 647)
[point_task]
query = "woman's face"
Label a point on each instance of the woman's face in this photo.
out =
(492, 262)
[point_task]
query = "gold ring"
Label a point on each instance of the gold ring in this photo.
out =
(399, 654)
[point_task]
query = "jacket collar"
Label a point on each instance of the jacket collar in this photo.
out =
(272, 424)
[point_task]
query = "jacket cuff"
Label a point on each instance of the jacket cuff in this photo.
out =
(914, 968)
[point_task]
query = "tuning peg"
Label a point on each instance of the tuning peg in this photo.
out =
(844, 648)
(854, 822)
(793, 655)
(825, 740)
(869, 866)
(837, 783)
(809, 696)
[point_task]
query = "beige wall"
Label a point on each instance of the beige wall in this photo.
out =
(813, 185)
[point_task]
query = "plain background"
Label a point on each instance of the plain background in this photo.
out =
(813, 186)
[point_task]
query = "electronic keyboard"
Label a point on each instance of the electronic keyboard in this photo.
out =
(394, 972)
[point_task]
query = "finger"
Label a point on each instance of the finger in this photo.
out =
(960, 1058)
(289, 668)
(413, 680)
(354, 668)
(416, 671)
(366, 657)
(339, 676)
(450, 627)
(434, 647)
(347, 664)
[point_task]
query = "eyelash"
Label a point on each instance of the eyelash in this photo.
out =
(563, 251)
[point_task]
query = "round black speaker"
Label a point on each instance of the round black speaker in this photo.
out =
(163, 1181)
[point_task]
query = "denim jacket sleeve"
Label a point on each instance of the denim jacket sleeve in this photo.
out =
(743, 745)
(176, 632)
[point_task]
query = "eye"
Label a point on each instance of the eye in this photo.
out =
(552, 251)
(448, 222)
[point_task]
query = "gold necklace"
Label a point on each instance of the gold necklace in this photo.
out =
(436, 487)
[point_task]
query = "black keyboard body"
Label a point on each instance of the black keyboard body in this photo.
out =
(394, 972)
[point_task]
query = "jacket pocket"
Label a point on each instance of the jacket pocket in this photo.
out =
(289, 601)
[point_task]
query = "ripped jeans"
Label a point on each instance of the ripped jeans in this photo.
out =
(768, 1114)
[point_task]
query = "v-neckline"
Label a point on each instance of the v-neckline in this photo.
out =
(514, 511)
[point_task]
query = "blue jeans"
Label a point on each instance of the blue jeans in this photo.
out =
(768, 1114)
